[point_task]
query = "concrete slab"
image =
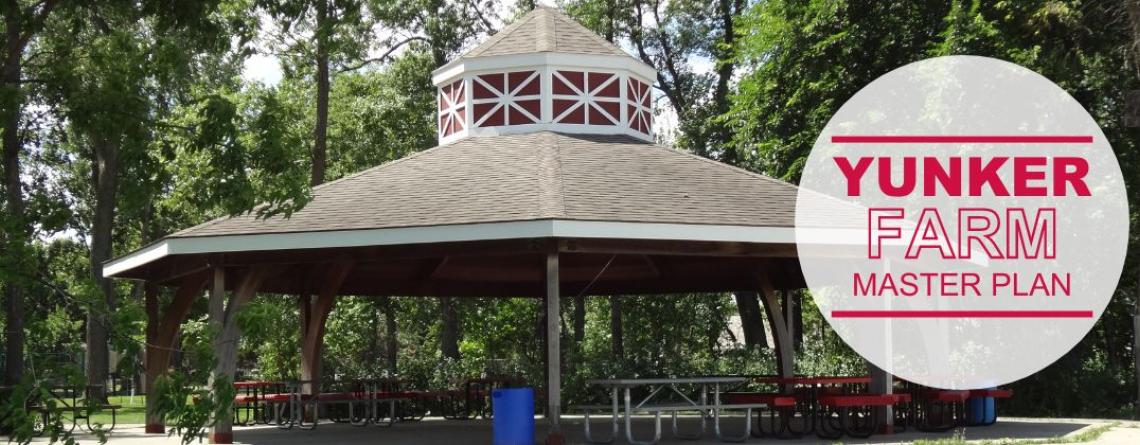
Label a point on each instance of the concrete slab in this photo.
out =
(452, 432)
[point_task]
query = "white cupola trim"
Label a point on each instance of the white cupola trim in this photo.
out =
(545, 72)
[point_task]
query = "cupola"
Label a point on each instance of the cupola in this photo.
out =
(544, 72)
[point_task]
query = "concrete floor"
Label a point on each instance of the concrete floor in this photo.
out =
(445, 432)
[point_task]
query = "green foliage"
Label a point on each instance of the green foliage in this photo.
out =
(241, 152)
(275, 351)
(162, 83)
(50, 417)
(377, 116)
(191, 409)
(805, 59)
(676, 38)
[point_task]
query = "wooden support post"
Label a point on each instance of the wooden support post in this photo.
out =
(789, 315)
(314, 318)
(785, 354)
(222, 430)
(154, 423)
(162, 334)
(553, 354)
(223, 322)
(883, 383)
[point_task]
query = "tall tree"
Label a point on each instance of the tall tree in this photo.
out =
(671, 36)
(443, 27)
(313, 37)
(23, 21)
(112, 68)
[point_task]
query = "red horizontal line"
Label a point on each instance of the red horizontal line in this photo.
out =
(960, 314)
(962, 139)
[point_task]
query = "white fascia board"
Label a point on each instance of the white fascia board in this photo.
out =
(451, 233)
(673, 232)
(137, 258)
(549, 126)
(531, 60)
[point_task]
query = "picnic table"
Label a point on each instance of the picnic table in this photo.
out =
(823, 404)
(671, 395)
(474, 400)
(76, 400)
(251, 399)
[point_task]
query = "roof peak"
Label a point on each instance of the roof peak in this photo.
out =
(545, 29)
(545, 71)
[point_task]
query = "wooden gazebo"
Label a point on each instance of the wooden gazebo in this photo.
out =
(546, 172)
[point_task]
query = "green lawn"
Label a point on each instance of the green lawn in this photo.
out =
(130, 413)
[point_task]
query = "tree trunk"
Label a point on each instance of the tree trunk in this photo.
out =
(726, 66)
(390, 325)
(105, 180)
(320, 129)
(617, 346)
(373, 353)
(449, 335)
(15, 234)
(579, 318)
(751, 321)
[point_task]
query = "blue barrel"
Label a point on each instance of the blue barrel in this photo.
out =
(513, 416)
(982, 411)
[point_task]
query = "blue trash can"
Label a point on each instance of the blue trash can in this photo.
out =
(513, 416)
(982, 411)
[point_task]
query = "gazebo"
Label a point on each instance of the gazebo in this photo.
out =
(546, 182)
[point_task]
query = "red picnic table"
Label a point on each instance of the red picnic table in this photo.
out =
(252, 399)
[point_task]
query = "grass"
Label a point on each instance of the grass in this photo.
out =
(130, 413)
(1088, 435)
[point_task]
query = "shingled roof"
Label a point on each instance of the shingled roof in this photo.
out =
(544, 179)
(534, 176)
(544, 29)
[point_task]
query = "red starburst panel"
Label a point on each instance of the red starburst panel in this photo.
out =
(452, 109)
(638, 106)
(506, 98)
(586, 98)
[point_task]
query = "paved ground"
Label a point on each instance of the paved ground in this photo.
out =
(442, 432)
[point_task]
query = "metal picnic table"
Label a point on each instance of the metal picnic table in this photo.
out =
(251, 399)
(659, 389)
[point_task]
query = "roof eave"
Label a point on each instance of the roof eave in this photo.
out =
(456, 68)
(544, 228)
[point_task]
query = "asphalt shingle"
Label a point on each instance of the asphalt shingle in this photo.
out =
(544, 29)
(542, 175)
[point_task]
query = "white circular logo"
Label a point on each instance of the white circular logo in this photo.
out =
(962, 222)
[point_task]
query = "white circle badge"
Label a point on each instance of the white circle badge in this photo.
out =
(962, 222)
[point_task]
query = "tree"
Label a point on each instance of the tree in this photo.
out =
(804, 60)
(443, 27)
(670, 36)
(313, 37)
(22, 23)
(107, 85)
